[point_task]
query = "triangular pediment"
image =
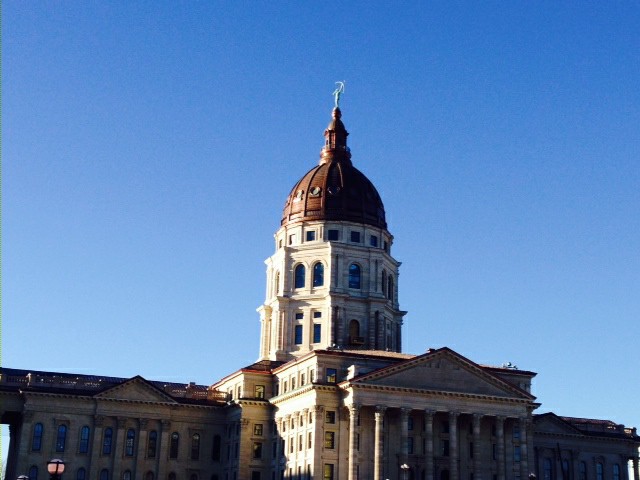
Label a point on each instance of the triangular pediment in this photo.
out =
(551, 423)
(445, 371)
(135, 389)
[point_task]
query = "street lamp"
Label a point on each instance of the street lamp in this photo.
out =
(55, 467)
(532, 476)
(405, 471)
(23, 477)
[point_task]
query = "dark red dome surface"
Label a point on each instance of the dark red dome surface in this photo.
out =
(335, 189)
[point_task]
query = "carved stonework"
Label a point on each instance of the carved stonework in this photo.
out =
(98, 420)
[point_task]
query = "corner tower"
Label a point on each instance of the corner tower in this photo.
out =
(332, 282)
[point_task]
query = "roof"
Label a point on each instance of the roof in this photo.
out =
(335, 190)
(89, 385)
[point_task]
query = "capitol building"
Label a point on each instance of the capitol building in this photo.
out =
(331, 395)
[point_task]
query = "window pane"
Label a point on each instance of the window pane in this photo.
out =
(354, 276)
(317, 333)
(318, 275)
(298, 335)
(83, 446)
(36, 443)
(128, 447)
(61, 439)
(106, 441)
(299, 276)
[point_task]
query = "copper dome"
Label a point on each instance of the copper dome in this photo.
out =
(335, 189)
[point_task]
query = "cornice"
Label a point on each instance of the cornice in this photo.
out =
(300, 391)
(434, 393)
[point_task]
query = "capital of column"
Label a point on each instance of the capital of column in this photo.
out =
(143, 423)
(121, 422)
(380, 409)
(165, 424)
(453, 416)
(404, 413)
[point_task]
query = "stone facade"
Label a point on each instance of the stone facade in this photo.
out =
(331, 396)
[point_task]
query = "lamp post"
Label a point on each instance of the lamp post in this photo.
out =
(55, 467)
(405, 471)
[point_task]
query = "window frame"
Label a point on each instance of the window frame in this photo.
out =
(299, 276)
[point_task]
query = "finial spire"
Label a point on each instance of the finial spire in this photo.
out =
(338, 91)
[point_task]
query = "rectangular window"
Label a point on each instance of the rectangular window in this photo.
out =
(386, 247)
(317, 314)
(291, 239)
(330, 416)
(516, 453)
(284, 387)
(410, 445)
(259, 391)
(309, 440)
(317, 333)
(300, 442)
(299, 316)
(332, 374)
(410, 423)
(327, 473)
(298, 335)
(302, 379)
(257, 449)
(494, 452)
(358, 441)
(257, 429)
(311, 236)
(355, 237)
(293, 383)
(516, 432)
(445, 448)
(373, 240)
(329, 440)
(333, 235)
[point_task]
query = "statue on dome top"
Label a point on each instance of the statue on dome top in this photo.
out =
(338, 91)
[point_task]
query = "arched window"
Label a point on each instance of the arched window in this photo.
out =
(354, 331)
(195, 446)
(33, 473)
(83, 444)
(106, 442)
(299, 274)
(599, 471)
(546, 469)
(582, 471)
(81, 474)
(215, 451)
(36, 441)
(173, 448)
(61, 439)
(616, 471)
(129, 444)
(354, 276)
(318, 275)
(104, 474)
(152, 444)
(149, 475)
(390, 288)
(126, 475)
(276, 284)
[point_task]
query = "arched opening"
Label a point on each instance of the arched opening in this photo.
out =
(299, 276)
(354, 276)
(318, 275)
(354, 333)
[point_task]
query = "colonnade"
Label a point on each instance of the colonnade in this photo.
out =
(479, 461)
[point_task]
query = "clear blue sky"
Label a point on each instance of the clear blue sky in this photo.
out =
(148, 148)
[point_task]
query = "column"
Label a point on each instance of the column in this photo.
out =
(428, 433)
(163, 450)
(118, 448)
(500, 447)
(140, 456)
(353, 451)
(378, 466)
(524, 452)
(453, 446)
(404, 435)
(96, 446)
(477, 462)
(636, 472)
